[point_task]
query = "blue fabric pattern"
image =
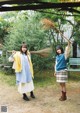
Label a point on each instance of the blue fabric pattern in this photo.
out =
(61, 62)
(25, 75)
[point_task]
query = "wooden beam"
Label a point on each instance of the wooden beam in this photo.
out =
(70, 10)
(40, 6)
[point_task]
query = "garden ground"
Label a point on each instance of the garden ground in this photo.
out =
(46, 101)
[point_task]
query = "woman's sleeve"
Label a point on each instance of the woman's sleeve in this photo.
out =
(55, 66)
(67, 50)
(11, 58)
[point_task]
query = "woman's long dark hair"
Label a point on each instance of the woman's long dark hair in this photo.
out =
(24, 46)
(59, 47)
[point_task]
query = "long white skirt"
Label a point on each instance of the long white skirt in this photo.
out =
(25, 87)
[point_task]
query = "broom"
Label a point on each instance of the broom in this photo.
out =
(47, 24)
(44, 52)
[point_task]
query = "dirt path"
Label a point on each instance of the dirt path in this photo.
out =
(46, 100)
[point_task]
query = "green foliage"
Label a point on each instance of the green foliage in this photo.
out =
(3, 29)
(76, 33)
(49, 0)
(28, 30)
(24, 30)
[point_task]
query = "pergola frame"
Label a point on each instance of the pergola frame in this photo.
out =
(16, 5)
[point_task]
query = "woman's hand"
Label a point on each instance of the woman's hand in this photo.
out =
(54, 74)
(13, 52)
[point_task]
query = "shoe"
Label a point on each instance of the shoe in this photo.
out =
(31, 94)
(25, 97)
(63, 97)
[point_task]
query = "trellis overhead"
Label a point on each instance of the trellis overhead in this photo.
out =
(16, 5)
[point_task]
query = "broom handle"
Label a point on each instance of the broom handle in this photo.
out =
(62, 35)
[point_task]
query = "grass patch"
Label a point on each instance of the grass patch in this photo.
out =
(7, 78)
(44, 78)
(74, 76)
(41, 78)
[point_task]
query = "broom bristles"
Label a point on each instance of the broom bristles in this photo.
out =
(47, 23)
(44, 52)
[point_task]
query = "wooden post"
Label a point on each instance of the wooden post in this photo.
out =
(74, 49)
(74, 52)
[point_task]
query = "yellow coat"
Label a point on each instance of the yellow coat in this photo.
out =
(17, 62)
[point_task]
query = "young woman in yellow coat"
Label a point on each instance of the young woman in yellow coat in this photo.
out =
(24, 71)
